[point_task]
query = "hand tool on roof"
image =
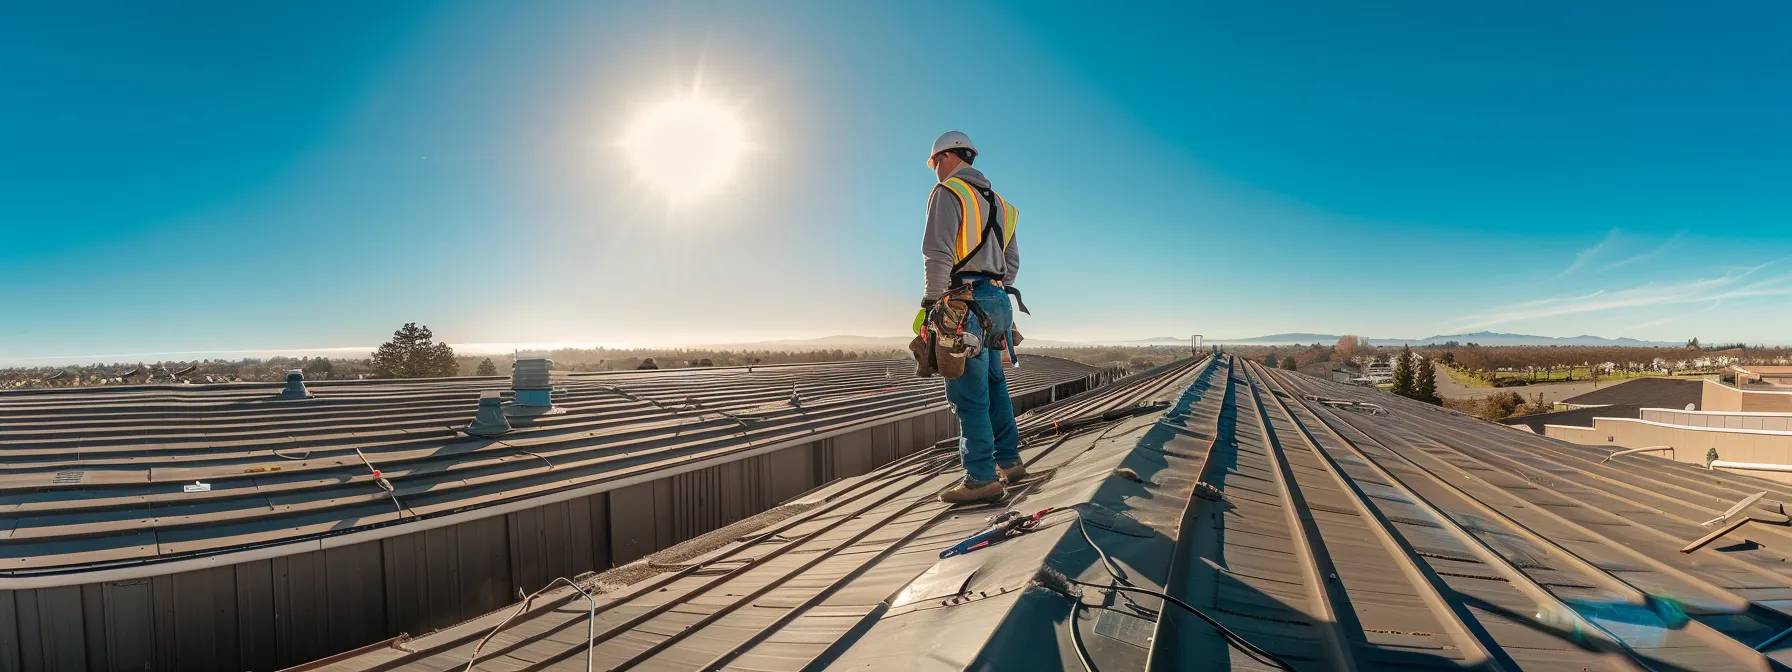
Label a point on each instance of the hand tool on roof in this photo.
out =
(1009, 524)
(380, 480)
(1735, 510)
(1750, 510)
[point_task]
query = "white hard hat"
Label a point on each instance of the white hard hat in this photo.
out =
(953, 140)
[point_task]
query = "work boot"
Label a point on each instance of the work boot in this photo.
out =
(973, 493)
(1012, 473)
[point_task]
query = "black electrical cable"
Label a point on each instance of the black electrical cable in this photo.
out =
(1076, 637)
(1237, 641)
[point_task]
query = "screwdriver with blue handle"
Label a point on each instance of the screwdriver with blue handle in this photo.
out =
(1010, 524)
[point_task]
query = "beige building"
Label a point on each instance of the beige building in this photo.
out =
(1780, 376)
(1744, 429)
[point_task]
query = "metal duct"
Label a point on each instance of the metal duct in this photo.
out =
(532, 382)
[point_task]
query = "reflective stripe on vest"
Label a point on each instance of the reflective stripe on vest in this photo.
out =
(970, 223)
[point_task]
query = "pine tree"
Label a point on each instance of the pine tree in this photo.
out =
(413, 353)
(1270, 360)
(1425, 383)
(1403, 372)
(1290, 364)
(487, 368)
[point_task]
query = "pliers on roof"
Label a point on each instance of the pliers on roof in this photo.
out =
(1009, 524)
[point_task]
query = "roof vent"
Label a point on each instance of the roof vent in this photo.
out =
(489, 420)
(534, 387)
(295, 386)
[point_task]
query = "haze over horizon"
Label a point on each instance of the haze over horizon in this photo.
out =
(240, 177)
(842, 341)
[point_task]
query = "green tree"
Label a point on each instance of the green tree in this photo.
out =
(1449, 357)
(487, 368)
(318, 368)
(1290, 363)
(1269, 360)
(413, 353)
(1424, 385)
(1693, 344)
(1403, 372)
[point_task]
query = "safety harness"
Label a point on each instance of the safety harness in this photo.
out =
(1001, 219)
(943, 344)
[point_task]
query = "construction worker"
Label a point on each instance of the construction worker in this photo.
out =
(970, 242)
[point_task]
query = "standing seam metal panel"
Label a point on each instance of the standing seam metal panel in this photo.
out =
(93, 626)
(9, 633)
(286, 610)
(129, 616)
(255, 616)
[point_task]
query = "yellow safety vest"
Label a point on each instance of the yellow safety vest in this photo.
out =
(970, 223)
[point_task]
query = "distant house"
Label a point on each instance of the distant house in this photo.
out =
(1777, 376)
(1378, 373)
(1337, 372)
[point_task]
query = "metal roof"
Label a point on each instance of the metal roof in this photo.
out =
(1645, 392)
(783, 595)
(1345, 529)
(1574, 417)
(93, 477)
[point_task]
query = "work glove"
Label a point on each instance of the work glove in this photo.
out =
(921, 317)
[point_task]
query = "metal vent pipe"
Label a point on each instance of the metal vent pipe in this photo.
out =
(531, 379)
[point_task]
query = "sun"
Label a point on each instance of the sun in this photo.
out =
(686, 147)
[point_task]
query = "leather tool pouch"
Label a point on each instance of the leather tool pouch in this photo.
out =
(943, 346)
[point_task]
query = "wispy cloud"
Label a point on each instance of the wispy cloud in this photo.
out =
(1587, 255)
(1733, 284)
(1670, 318)
(1651, 254)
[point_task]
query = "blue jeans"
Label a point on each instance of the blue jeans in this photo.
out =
(980, 396)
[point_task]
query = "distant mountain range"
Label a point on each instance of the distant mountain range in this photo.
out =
(1479, 338)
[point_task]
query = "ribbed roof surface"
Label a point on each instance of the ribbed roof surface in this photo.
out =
(783, 595)
(97, 476)
(1342, 537)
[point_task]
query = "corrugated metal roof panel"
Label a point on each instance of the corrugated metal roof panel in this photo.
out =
(101, 476)
(1337, 537)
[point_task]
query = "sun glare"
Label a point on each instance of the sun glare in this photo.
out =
(686, 147)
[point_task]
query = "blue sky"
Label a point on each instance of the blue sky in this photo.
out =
(179, 177)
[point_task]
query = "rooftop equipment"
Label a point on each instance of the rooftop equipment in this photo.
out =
(489, 420)
(534, 387)
(295, 386)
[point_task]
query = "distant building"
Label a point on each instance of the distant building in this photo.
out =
(1337, 372)
(1766, 376)
(1378, 373)
(1641, 392)
(1743, 427)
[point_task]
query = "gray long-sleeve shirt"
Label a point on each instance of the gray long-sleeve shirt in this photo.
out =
(939, 245)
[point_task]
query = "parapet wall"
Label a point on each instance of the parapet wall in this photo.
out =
(1690, 443)
(1720, 397)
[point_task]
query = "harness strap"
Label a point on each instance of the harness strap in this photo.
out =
(992, 222)
(1015, 292)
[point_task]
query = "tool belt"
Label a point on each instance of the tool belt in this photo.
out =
(943, 346)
